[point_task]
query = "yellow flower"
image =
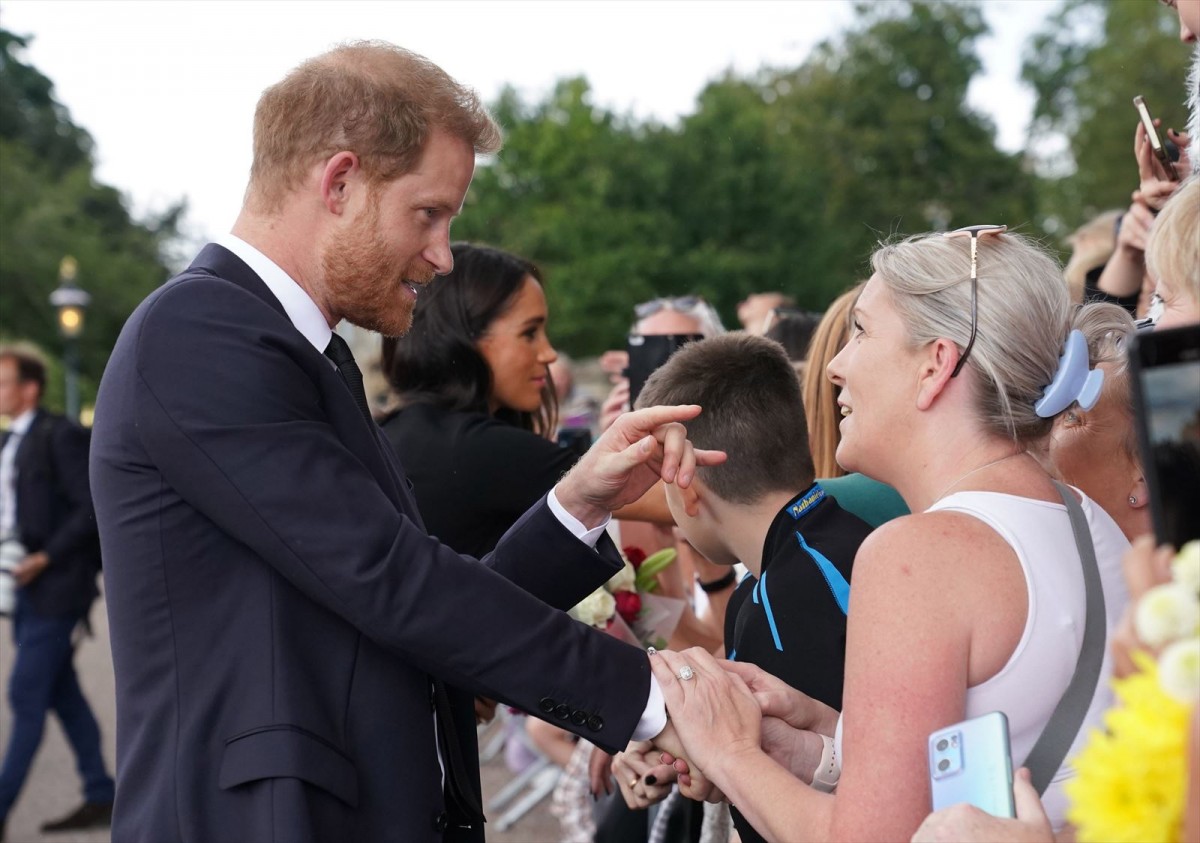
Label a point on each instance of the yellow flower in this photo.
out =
(1129, 782)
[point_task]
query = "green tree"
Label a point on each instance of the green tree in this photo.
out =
(788, 178)
(782, 179)
(1085, 66)
(575, 191)
(52, 206)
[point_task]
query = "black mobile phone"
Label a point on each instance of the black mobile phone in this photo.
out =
(577, 440)
(647, 353)
(1156, 143)
(1165, 366)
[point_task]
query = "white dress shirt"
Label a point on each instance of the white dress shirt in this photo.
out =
(8, 473)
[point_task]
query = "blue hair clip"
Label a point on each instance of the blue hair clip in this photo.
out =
(1072, 382)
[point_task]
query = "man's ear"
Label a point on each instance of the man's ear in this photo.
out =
(340, 172)
(936, 367)
(691, 498)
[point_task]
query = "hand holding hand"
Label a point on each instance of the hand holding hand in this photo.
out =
(692, 783)
(967, 824)
(776, 698)
(600, 776)
(631, 456)
(643, 779)
(713, 713)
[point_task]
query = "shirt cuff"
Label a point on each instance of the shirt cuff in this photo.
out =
(588, 537)
(654, 718)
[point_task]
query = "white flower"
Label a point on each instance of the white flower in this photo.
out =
(1179, 670)
(622, 580)
(595, 609)
(1165, 613)
(1185, 568)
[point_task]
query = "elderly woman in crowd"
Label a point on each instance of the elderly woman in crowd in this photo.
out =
(964, 607)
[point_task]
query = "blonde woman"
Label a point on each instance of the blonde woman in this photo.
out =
(972, 604)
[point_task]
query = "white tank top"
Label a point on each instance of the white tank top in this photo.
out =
(1029, 686)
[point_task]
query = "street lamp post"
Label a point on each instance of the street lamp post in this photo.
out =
(70, 302)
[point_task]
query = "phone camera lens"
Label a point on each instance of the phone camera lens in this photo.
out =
(942, 744)
(943, 765)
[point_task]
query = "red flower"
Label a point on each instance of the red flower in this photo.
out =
(635, 555)
(629, 604)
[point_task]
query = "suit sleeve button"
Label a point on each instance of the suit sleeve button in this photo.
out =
(546, 705)
(578, 717)
(595, 723)
(561, 711)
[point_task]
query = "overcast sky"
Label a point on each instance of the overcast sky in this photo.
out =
(167, 89)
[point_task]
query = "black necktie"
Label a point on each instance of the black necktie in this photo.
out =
(464, 804)
(339, 352)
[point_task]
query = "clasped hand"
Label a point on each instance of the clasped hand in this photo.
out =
(728, 708)
(637, 451)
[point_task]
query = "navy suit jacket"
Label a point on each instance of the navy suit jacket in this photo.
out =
(275, 605)
(54, 514)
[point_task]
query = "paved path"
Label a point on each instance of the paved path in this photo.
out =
(53, 787)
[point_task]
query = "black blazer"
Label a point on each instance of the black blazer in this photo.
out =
(54, 514)
(275, 605)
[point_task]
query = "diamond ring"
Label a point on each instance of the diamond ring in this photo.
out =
(686, 673)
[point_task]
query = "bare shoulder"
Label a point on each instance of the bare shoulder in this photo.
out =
(922, 558)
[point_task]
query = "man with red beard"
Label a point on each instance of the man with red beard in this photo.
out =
(282, 626)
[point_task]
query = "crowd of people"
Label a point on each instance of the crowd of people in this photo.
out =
(924, 504)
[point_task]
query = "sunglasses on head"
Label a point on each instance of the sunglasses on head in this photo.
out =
(974, 232)
(680, 304)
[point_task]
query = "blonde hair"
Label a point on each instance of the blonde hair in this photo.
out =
(371, 98)
(1023, 308)
(820, 395)
(1092, 244)
(1173, 251)
(1107, 329)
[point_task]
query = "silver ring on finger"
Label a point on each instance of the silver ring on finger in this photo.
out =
(686, 673)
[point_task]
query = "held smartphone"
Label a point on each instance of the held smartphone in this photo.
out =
(1165, 366)
(970, 762)
(647, 353)
(1156, 144)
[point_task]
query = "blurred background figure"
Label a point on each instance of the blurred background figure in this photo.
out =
(47, 523)
(578, 412)
(1092, 244)
(793, 329)
(755, 311)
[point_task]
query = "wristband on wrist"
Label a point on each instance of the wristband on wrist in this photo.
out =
(829, 770)
(718, 584)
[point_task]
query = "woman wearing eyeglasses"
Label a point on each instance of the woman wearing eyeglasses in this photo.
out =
(974, 603)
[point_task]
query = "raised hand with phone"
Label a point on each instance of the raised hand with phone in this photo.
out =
(1159, 172)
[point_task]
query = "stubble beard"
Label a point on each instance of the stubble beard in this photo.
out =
(364, 285)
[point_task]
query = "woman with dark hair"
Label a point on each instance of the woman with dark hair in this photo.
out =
(476, 406)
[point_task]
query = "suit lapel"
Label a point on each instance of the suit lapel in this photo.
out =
(355, 433)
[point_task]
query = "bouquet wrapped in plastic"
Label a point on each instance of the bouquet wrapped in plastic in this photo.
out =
(627, 605)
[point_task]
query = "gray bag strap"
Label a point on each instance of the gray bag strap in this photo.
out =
(1055, 741)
